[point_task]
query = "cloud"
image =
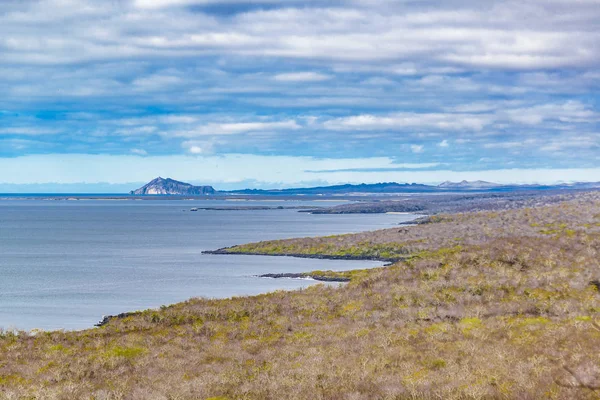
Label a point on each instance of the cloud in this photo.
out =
(301, 77)
(196, 150)
(416, 148)
(569, 111)
(403, 120)
(397, 167)
(504, 145)
(158, 4)
(28, 131)
(464, 34)
(198, 147)
(235, 128)
(508, 81)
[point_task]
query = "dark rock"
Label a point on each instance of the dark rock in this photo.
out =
(305, 275)
(106, 318)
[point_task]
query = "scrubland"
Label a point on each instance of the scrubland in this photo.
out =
(451, 203)
(482, 305)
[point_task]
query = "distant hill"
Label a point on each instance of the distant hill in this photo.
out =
(161, 186)
(468, 185)
(396, 188)
(385, 187)
(170, 186)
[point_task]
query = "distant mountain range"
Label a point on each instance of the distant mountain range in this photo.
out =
(170, 186)
(394, 188)
(374, 188)
(161, 186)
(469, 185)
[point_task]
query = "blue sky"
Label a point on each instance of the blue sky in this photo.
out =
(294, 93)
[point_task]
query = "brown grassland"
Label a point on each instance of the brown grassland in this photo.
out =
(483, 305)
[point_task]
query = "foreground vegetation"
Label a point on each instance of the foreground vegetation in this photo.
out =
(488, 305)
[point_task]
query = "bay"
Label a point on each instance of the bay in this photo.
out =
(64, 264)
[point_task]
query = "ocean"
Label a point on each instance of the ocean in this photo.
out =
(65, 263)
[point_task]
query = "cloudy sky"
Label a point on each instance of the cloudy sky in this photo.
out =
(281, 93)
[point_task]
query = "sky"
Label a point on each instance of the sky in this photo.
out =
(103, 95)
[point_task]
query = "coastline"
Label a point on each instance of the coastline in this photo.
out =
(224, 251)
(315, 277)
(319, 277)
(205, 276)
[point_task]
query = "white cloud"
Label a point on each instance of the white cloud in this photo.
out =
(581, 142)
(157, 4)
(504, 145)
(302, 77)
(137, 130)
(198, 147)
(28, 131)
(569, 111)
(443, 143)
(416, 148)
(454, 36)
(235, 128)
(472, 122)
(139, 152)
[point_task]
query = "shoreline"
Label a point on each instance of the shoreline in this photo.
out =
(105, 319)
(224, 251)
(302, 275)
(284, 275)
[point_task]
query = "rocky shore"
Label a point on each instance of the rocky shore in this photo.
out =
(306, 276)
(107, 318)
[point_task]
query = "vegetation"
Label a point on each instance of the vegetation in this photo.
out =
(329, 246)
(488, 305)
(567, 218)
(452, 203)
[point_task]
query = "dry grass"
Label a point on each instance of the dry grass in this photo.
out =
(570, 217)
(508, 312)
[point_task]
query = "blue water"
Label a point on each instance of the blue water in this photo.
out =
(64, 264)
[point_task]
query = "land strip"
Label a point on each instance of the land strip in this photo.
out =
(452, 203)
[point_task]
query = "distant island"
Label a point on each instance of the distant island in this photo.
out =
(168, 186)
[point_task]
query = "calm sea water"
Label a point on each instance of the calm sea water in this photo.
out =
(64, 264)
